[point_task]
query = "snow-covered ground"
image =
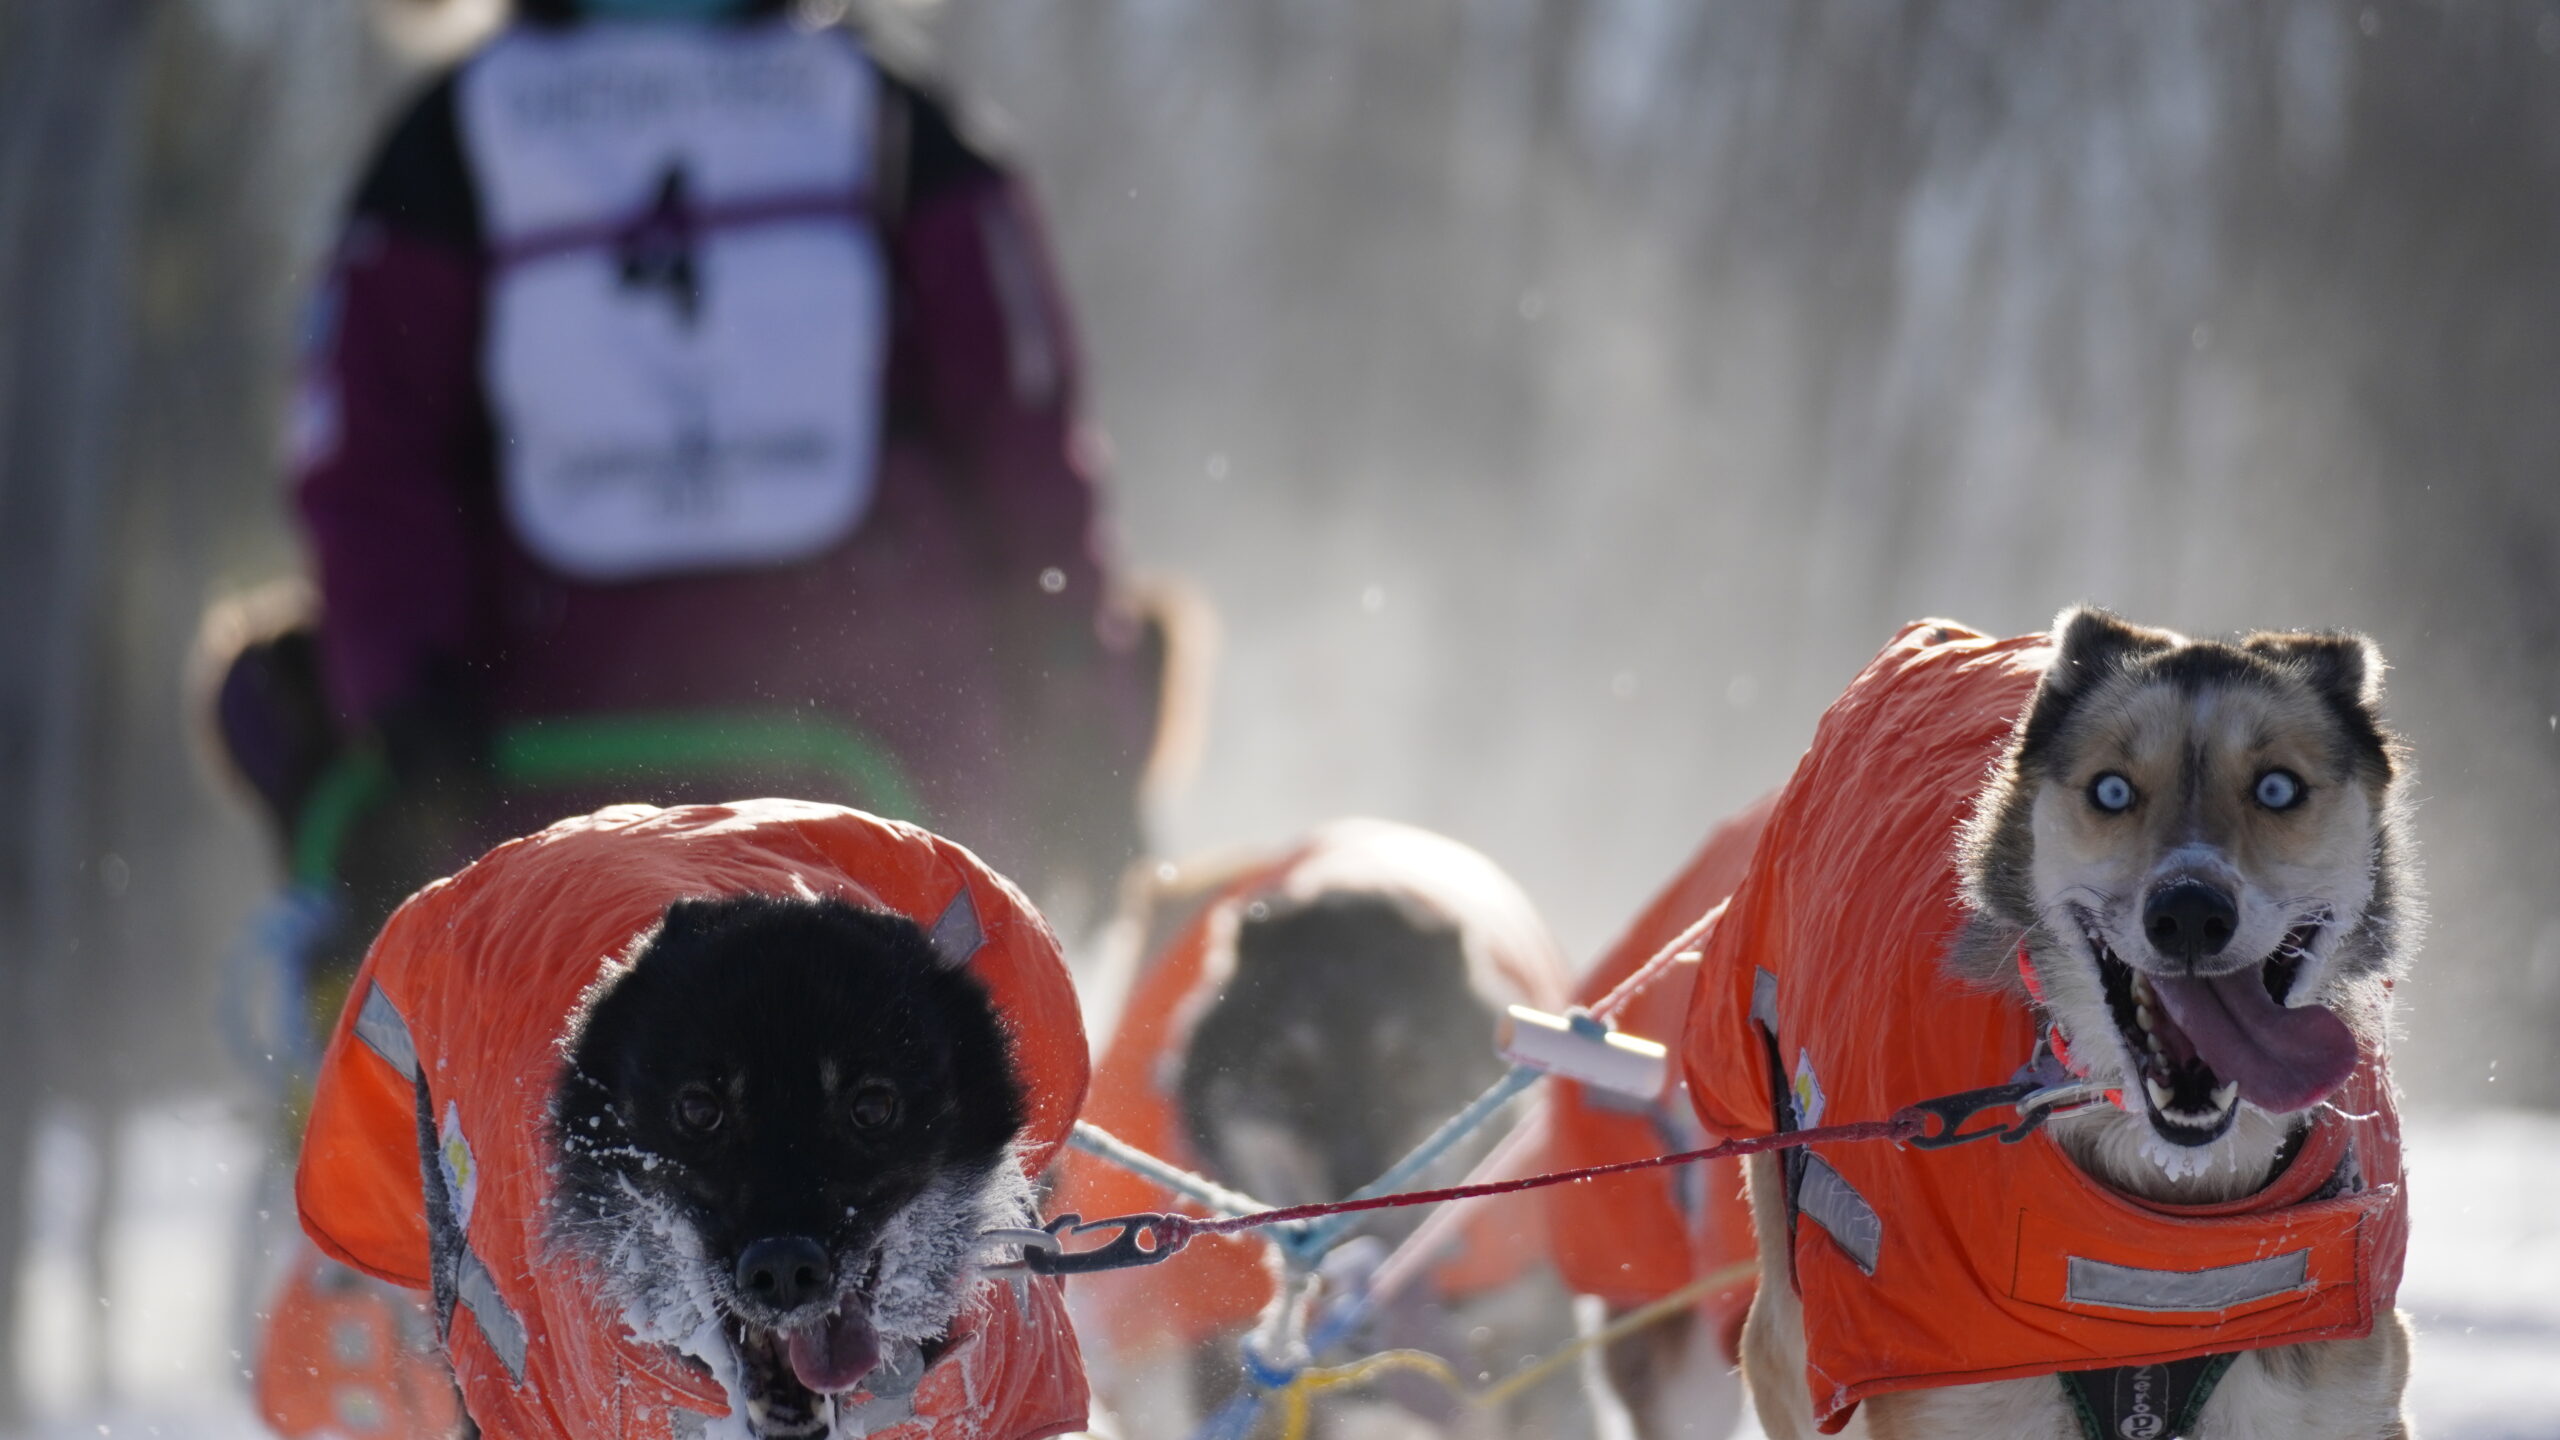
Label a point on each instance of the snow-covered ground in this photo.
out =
(162, 1354)
(165, 1342)
(2483, 1282)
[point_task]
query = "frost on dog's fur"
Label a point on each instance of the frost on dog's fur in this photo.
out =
(766, 1072)
(929, 1250)
(650, 1262)
(656, 1275)
(648, 1258)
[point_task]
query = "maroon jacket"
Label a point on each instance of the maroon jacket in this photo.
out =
(961, 624)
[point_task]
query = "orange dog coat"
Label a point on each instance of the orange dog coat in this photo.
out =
(344, 1356)
(1219, 1283)
(450, 1040)
(1987, 1261)
(1634, 1239)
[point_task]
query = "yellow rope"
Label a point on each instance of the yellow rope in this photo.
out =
(1296, 1396)
(1311, 1383)
(1625, 1325)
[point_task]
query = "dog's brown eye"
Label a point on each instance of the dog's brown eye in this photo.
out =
(697, 1110)
(875, 1106)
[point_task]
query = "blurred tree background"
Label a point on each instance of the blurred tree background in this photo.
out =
(1562, 401)
(166, 175)
(1559, 401)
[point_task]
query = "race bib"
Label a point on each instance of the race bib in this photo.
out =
(688, 302)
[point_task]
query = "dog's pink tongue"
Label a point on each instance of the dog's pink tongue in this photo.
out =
(833, 1355)
(2285, 1058)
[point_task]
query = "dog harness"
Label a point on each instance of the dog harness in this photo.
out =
(1222, 1282)
(426, 1162)
(1823, 996)
(1633, 1239)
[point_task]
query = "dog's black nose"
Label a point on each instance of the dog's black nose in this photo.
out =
(2189, 920)
(785, 1273)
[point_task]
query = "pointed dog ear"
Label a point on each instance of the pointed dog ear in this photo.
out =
(689, 916)
(2094, 644)
(2090, 645)
(2346, 668)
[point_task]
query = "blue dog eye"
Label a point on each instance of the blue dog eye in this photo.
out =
(2112, 793)
(2279, 790)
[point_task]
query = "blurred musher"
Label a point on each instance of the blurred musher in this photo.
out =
(690, 410)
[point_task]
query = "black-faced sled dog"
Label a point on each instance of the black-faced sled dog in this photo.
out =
(697, 1122)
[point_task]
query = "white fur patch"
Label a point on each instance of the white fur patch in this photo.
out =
(657, 1274)
(928, 1250)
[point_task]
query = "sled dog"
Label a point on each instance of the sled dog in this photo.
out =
(2188, 864)
(796, 1108)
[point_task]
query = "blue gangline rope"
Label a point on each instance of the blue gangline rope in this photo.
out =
(1305, 1246)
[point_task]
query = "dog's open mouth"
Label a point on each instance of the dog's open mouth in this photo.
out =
(791, 1377)
(2205, 1044)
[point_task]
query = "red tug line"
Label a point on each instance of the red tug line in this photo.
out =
(1145, 1239)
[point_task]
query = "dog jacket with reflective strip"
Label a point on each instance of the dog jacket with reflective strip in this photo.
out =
(449, 1047)
(1219, 1282)
(1987, 1261)
(1634, 1239)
